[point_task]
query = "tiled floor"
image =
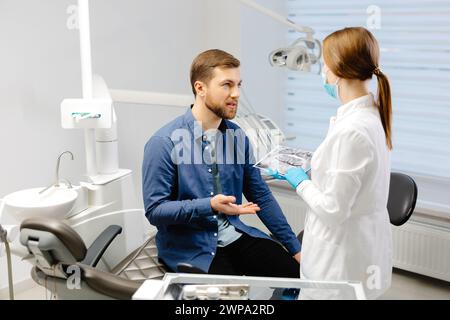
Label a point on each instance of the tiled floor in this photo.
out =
(405, 286)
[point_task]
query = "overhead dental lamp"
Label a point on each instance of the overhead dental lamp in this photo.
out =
(303, 55)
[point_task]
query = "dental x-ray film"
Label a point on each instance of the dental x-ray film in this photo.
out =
(283, 158)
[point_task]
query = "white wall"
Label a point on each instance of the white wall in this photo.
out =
(260, 35)
(136, 44)
(223, 25)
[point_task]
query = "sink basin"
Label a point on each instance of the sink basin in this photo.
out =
(57, 202)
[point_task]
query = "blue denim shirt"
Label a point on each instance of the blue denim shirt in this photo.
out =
(227, 232)
(178, 187)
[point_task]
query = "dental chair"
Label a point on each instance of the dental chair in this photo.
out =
(65, 267)
(401, 202)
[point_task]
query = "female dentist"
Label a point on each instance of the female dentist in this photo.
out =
(347, 232)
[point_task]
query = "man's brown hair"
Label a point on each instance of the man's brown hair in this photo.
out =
(202, 68)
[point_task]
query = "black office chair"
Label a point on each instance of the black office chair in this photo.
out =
(401, 201)
(402, 198)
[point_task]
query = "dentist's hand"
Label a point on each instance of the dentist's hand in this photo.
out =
(275, 174)
(227, 205)
(295, 176)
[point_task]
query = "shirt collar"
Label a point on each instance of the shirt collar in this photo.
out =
(358, 103)
(195, 129)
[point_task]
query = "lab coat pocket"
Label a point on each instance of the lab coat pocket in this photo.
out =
(322, 260)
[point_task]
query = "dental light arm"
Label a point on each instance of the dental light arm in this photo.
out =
(252, 4)
(303, 54)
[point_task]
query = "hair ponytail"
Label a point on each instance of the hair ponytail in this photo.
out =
(385, 105)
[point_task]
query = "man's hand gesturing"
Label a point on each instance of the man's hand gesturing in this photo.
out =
(227, 205)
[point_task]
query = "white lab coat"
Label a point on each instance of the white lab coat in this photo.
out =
(347, 229)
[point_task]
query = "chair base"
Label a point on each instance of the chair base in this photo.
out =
(66, 289)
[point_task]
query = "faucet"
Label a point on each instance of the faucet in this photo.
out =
(67, 182)
(57, 169)
(56, 184)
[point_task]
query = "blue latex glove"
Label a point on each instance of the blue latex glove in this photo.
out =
(295, 176)
(275, 174)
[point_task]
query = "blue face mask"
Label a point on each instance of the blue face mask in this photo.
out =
(331, 89)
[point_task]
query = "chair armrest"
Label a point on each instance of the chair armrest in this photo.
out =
(99, 246)
(108, 284)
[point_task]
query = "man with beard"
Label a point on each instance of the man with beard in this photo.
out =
(194, 197)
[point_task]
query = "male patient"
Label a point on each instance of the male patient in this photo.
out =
(196, 169)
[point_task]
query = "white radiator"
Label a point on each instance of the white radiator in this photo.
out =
(419, 246)
(422, 248)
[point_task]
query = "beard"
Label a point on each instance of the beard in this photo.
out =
(221, 110)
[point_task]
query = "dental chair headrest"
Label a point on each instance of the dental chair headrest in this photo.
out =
(62, 231)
